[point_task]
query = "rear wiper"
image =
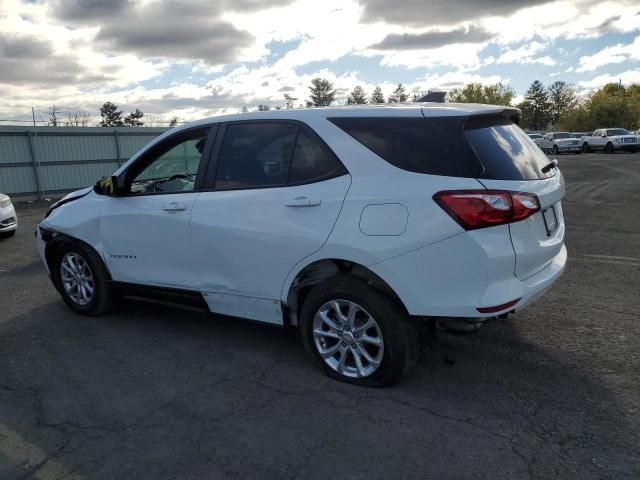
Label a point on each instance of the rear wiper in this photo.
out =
(552, 164)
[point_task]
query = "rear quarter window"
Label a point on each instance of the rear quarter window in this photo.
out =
(407, 143)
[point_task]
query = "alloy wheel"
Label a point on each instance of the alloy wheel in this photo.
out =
(77, 279)
(348, 338)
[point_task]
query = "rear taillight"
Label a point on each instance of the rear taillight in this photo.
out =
(474, 209)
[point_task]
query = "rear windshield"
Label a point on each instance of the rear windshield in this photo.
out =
(504, 150)
(408, 143)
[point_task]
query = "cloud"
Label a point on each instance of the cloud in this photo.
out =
(26, 59)
(628, 77)
(614, 54)
(87, 10)
(439, 12)
(526, 54)
(433, 39)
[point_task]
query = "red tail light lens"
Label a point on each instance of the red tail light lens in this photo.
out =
(474, 209)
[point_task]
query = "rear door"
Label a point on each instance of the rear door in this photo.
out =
(274, 195)
(511, 161)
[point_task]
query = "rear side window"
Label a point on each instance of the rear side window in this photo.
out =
(270, 154)
(407, 143)
(504, 150)
(312, 161)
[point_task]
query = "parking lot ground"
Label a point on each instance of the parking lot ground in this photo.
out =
(150, 392)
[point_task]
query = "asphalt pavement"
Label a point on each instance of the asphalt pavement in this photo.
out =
(151, 392)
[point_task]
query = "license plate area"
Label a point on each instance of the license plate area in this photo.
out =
(550, 218)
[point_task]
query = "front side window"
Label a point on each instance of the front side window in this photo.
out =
(173, 168)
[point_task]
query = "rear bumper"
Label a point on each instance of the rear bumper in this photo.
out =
(455, 277)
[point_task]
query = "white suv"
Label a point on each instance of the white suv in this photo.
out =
(352, 223)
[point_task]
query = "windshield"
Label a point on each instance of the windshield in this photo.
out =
(612, 132)
(560, 135)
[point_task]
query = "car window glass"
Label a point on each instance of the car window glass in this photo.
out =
(255, 155)
(174, 170)
(312, 161)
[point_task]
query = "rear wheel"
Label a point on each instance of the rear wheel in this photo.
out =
(81, 279)
(358, 335)
(554, 150)
(609, 148)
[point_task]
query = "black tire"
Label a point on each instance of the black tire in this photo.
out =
(585, 147)
(7, 234)
(609, 148)
(554, 150)
(101, 300)
(399, 333)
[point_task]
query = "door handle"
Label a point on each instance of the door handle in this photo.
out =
(174, 207)
(303, 202)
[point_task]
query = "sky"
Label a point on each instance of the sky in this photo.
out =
(196, 58)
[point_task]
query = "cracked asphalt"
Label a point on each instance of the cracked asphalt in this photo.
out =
(150, 392)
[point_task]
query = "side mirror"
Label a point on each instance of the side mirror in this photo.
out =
(604, 134)
(106, 186)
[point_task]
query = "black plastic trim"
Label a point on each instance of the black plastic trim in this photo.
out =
(175, 296)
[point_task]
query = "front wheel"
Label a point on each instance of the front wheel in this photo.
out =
(81, 278)
(358, 335)
(609, 148)
(585, 148)
(555, 150)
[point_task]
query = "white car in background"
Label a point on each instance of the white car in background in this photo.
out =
(8, 217)
(537, 138)
(610, 140)
(353, 223)
(560, 142)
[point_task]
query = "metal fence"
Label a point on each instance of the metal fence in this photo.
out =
(43, 162)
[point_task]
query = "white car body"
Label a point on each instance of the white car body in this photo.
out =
(8, 217)
(610, 139)
(245, 251)
(560, 142)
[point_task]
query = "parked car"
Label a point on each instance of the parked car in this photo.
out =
(579, 135)
(560, 142)
(610, 140)
(8, 217)
(353, 223)
(537, 138)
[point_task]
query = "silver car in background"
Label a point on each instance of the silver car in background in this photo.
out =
(8, 217)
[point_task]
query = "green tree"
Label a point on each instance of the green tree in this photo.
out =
(263, 108)
(173, 122)
(495, 94)
(322, 92)
(562, 97)
(111, 116)
(133, 119)
(536, 108)
(357, 97)
(399, 95)
(377, 96)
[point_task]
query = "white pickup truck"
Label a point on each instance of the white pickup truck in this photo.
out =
(559, 142)
(610, 140)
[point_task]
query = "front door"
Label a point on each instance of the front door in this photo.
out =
(145, 231)
(276, 195)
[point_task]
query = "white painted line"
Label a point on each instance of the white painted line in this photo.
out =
(28, 455)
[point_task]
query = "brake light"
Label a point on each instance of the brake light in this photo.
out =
(474, 209)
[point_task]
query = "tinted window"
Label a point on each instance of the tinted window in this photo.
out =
(255, 155)
(174, 169)
(505, 151)
(408, 143)
(312, 161)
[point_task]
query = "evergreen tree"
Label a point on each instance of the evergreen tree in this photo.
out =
(536, 108)
(111, 116)
(133, 119)
(173, 122)
(263, 108)
(322, 92)
(357, 97)
(377, 95)
(399, 95)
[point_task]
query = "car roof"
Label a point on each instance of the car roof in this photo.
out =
(429, 109)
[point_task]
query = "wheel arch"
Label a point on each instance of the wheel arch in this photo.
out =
(315, 272)
(54, 240)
